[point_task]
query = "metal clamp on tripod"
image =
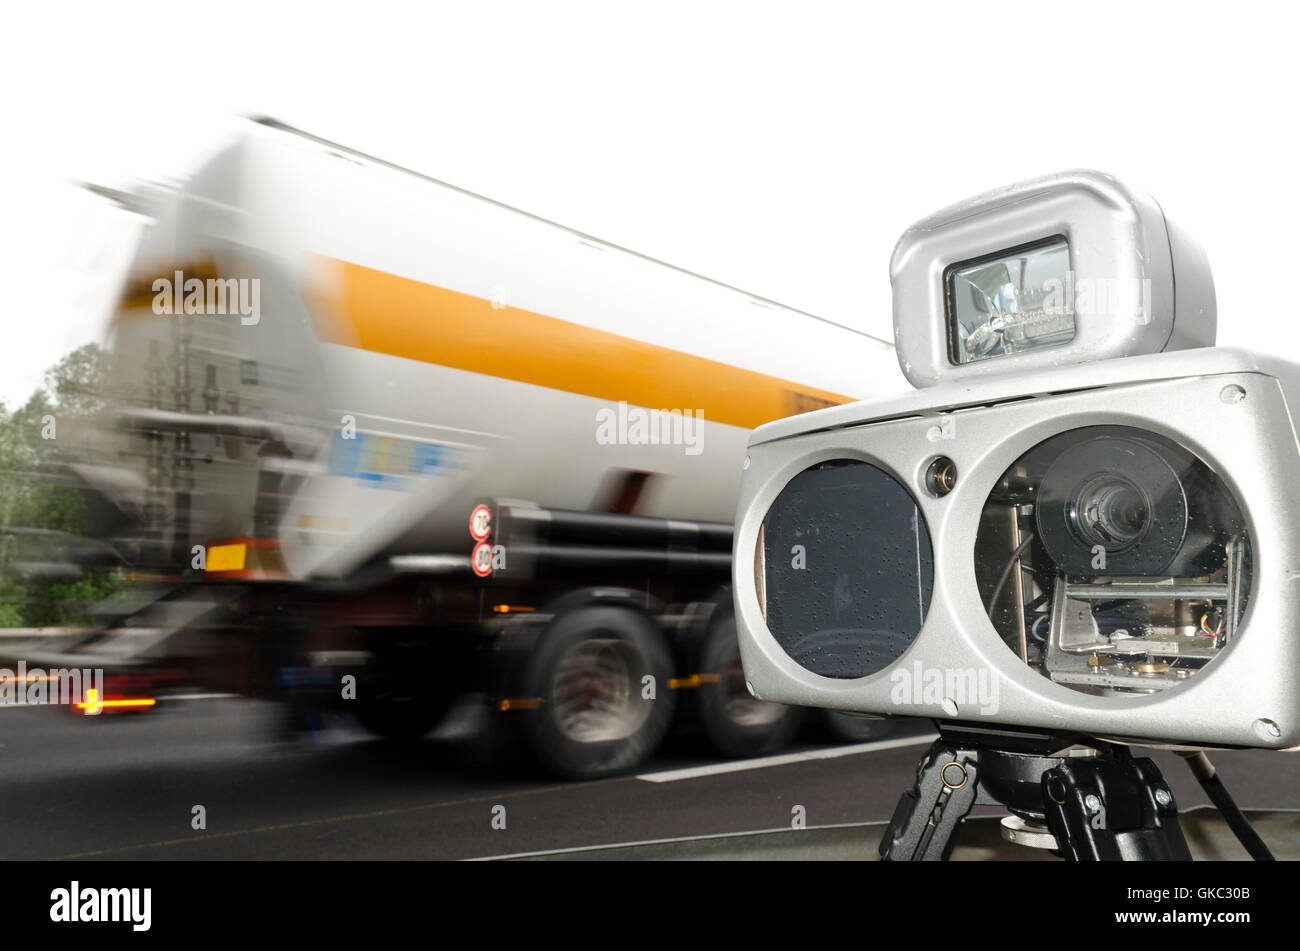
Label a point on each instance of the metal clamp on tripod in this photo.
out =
(1093, 803)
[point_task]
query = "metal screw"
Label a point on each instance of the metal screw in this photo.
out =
(1091, 803)
(1163, 797)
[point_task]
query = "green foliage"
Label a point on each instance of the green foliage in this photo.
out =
(77, 381)
(72, 395)
(65, 603)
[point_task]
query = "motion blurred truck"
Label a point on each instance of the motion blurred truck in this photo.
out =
(376, 442)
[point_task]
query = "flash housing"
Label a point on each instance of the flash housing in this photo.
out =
(1134, 283)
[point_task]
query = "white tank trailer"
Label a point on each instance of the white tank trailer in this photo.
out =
(364, 422)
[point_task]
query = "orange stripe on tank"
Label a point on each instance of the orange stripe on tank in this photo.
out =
(385, 313)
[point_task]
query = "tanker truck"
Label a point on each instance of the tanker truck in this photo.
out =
(376, 442)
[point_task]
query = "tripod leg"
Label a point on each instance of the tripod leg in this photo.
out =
(1108, 809)
(927, 816)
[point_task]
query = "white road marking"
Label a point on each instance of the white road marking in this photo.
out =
(829, 752)
(671, 841)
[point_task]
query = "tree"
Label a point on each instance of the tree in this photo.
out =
(30, 437)
(77, 381)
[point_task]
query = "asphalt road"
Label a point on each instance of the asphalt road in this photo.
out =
(125, 787)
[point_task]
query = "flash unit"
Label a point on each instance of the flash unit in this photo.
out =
(1070, 268)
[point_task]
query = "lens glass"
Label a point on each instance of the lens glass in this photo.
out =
(1110, 511)
(1011, 302)
(846, 569)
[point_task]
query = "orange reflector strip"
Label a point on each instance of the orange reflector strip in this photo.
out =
(92, 701)
(507, 608)
(519, 703)
(138, 702)
(694, 680)
(227, 557)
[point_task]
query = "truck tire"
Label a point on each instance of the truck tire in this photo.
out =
(588, 671)
(736, 724)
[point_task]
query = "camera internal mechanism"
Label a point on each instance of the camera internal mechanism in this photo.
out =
(1113, 560)
(844, 569)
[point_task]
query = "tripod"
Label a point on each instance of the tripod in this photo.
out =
(1094, 804)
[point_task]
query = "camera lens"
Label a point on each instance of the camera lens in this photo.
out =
(1110, 511)
(1124, 495)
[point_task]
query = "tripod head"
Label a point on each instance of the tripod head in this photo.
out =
(1080, 797)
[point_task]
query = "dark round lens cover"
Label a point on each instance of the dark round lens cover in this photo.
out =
(848, 569)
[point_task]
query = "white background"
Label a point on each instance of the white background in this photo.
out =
(780, 148)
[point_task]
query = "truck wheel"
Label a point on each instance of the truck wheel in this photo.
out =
(736, 724)
(850, 729)
(598, 714)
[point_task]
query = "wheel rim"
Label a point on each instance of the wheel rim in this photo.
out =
(594, 695)
(738, 705)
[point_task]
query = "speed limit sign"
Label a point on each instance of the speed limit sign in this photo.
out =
(480, 523)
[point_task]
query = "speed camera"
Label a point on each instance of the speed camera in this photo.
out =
(1084, 518)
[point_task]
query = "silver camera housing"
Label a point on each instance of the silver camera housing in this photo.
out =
(1192, 397)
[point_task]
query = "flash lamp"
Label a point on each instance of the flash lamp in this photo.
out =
(1009, 304)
